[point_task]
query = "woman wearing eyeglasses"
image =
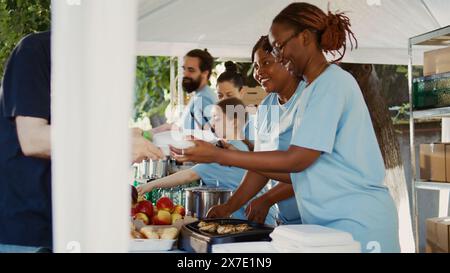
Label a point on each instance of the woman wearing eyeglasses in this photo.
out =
(273, 132)
(333, 162)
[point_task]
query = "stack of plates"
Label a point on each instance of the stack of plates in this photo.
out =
(297, 239)
(313, 239)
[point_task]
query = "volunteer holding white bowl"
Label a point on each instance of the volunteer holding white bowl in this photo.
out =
(230, 128)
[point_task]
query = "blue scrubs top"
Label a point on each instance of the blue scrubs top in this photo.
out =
(250, 128)
(199, 106)
(274, 131)
(230, 177)
(344, 188)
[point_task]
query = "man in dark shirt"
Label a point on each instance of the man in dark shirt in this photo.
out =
(25, 166)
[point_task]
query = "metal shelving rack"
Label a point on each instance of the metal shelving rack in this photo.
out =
(439, 37)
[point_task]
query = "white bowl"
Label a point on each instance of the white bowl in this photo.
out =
(184, 144)
(151, 245)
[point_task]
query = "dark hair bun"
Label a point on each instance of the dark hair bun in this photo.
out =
(231, 74)
(334, 34)
(334, 29)
(230, 67)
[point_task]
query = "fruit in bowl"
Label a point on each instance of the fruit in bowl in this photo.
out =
(162, 218)
(164, 212)
(164, 203)
(176, 217)
(134, 211)
(179, 210)
(142, 217)
(145, 207)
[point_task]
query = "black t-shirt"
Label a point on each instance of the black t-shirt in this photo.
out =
(25, 182)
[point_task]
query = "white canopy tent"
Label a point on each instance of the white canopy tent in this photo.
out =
(230, 29)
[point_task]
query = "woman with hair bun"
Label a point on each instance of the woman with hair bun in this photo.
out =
(230, 82)
(333, 162)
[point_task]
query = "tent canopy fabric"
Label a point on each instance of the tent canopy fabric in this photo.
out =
(229, 29)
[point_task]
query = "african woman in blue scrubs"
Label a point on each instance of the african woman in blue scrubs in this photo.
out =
(283, 92)
(333, 162)
(230, 83)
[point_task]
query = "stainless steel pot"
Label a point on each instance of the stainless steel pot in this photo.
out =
(154, 169)
(158, 168)
(199, 200)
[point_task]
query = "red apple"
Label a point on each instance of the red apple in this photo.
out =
(143, 217)
(145, 207)
(179, 210)
(134, 211)
(162, 218)
(164, 203)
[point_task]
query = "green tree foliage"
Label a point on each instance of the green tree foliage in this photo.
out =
(394, 79)
(19, 18)
(152, 88)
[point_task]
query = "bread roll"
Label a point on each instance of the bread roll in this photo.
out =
(169, 233)
(149, 233)
(137, 235)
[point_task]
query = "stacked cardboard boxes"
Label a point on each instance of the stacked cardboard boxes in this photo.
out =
(438, 235)
(435, 162)
(436, 61)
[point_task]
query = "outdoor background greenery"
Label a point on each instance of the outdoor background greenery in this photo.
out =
(152, 90)
(19, 18)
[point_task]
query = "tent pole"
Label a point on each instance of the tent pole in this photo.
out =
(412, 150)
(92, 86)
(173, 86)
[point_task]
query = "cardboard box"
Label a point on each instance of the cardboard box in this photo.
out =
(436, 61)
(438, 235)
(447, 162)
(433, 162)
(253, 96)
